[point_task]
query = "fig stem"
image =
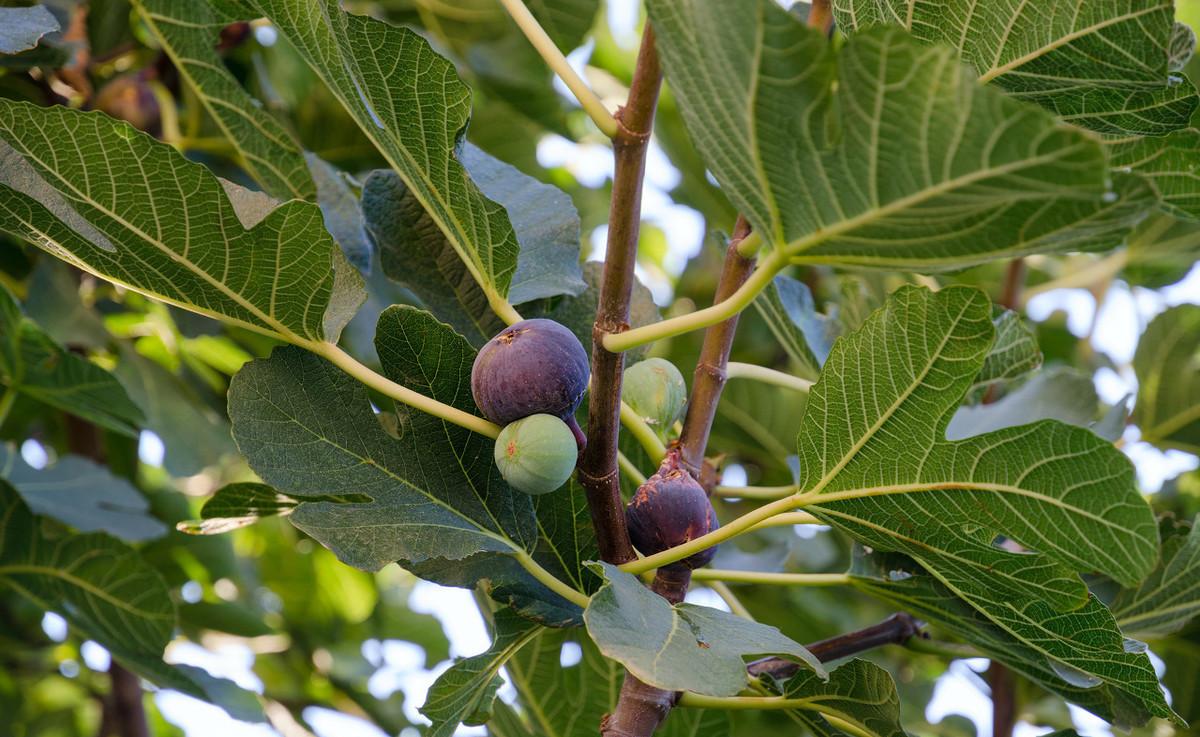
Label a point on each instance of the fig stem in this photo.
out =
(733, 529)
(738, 370)
(403, 394)
(767, 577)
(550, 581)
(643, 433)
(755, 492)
(554, 58)
(633, 472)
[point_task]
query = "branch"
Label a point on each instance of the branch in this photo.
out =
(598, 471)
(710, 376)
(895, 630)
(547, 49)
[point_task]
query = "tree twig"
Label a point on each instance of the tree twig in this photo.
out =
(1004, 699)
(710, 376)
(895, 630)
(598, 471)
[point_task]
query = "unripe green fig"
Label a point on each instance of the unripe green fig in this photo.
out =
(655, 389)
(671, 509)
(537, 454)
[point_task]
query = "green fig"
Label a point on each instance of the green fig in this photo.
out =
(655, 389)
(536, 454)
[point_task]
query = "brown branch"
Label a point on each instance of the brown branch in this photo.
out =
(820, 15)
(709, 378)
(895, 630)
(598, 472)
(1004, 700)
(1014, 283)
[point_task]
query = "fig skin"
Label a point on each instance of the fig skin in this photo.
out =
(655, 389)
(532, 367)
(671, 509)
(536, 454)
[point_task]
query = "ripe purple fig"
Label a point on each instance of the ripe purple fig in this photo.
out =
(671, 509)
(530, 368)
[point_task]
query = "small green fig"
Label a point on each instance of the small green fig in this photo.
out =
(536, 454)
(655, 389)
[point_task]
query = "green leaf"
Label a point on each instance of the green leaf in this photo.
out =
(439, 506)
(1059, 393)
(858, 693)
(1013, 354)
(22, 28)
(567, 22)
(1080, 655)
(83, 494)
(34, 365)
(382, 73)
(102, 586)
(134, 211)
(1169, 163)
(1109, 65)
(1167, 364)
(188, 33)
(238, 505)
(1161, 251)
(415, 253)
(338, 199)
(224, 616)
(806, 335)
(195, 434)
(875, 464)
(464, 693)
(683, 647)
(911, 165)
(1170, 596)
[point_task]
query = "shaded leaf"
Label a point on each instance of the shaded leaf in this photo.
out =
(340, 207)
(567, 22)
(1167, 363)
(22, 28)
(806, 335)
(188, 33)
(1161, 251)
(83, 494)
(102, 586)
(1061, 394)
(1170, 596)
(1111, 65)
(1169, 163)
(34, 365)
(464, 693)
(136, 212)
(1013, 354)
(921, 168)
(381, 73)
(858, 693)
(579, 313)
(1081, 655)
(684, 647)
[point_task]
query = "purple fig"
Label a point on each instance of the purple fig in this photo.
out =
(530, 368)
(671, 509)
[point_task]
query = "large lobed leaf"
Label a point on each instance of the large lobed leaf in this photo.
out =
(1167, 363)
(134, 211)
(1079, 655)
(875, 463)
(1168, 598)
(188, 33)
(1108, 65)
(910, 165)
(411, 104)
(683, 647)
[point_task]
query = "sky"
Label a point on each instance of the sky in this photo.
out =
(1121, 319)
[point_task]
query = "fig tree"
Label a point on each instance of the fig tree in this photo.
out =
(655, 389)
(533, 367)
(671, 509)
(536, 454)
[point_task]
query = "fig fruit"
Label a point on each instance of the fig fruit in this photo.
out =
(671, 509)
(533, 367)
(655, 389)
(536, 454)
